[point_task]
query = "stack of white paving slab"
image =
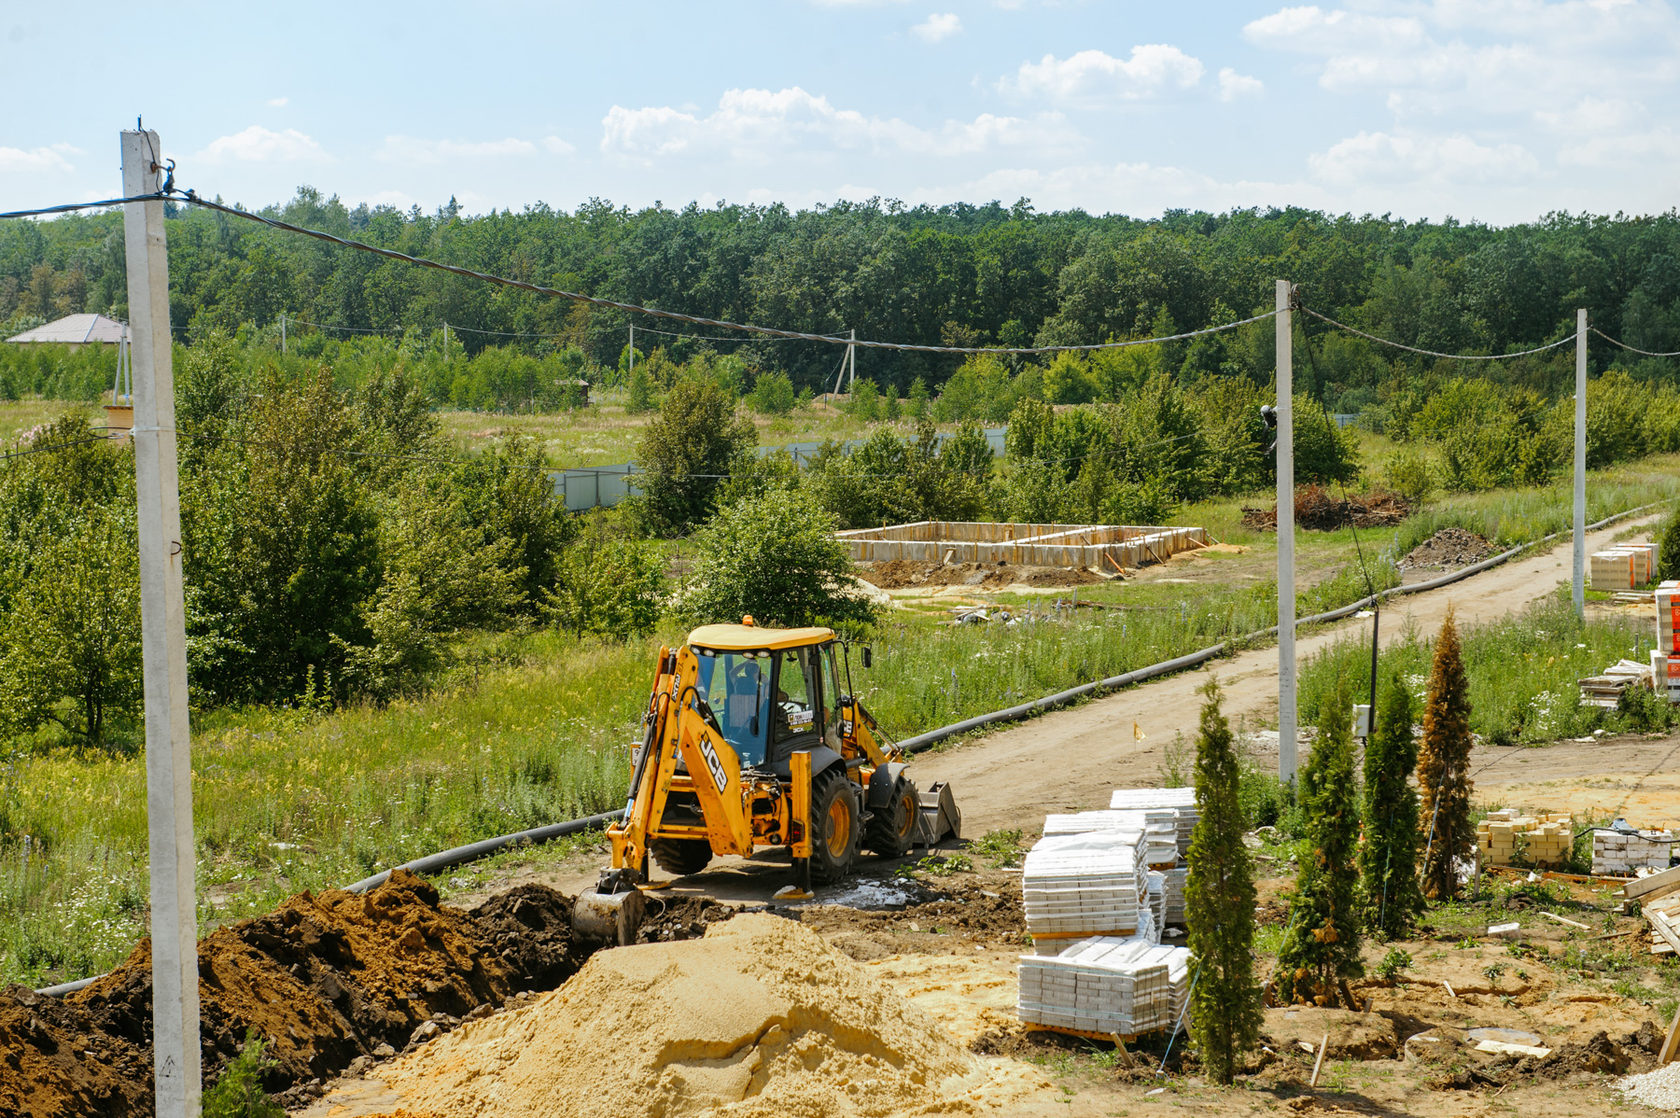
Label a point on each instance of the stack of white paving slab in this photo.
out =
(1106, 986)
(1159, 827)
(1174, 914)
(1158, 901)
(1075, 885)
(1146, 799)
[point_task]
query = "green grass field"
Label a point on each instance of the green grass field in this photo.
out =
(534, 729)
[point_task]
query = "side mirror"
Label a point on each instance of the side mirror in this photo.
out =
(868, 656)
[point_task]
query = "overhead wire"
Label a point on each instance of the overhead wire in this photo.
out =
(1436, 353)
(193, 198)
(72, 207)
(1630, 348)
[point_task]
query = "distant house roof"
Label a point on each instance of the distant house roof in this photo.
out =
(75, 329)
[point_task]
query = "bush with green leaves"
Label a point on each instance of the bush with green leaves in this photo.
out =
(772, 394)
(1668, 549)
(686, 452)
(608, 588)
(774, 557)
(238, 1091)
(891, 479)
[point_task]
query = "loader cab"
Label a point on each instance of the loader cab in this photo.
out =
(773, 699)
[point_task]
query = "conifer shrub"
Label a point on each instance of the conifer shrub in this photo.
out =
(1219, 904)
(1444, 768)
(1320, 949)
(1388, 858)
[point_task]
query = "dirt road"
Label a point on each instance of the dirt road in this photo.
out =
(1068, 760)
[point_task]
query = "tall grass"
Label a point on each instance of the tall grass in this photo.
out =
(1523, 670)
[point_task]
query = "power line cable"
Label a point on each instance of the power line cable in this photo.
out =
(1629, 348)
(72, 207)
(1434, 353)
(694, 320)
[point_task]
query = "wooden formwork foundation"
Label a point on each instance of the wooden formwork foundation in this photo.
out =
(1099, 546)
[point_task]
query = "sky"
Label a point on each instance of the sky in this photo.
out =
(1499, 111)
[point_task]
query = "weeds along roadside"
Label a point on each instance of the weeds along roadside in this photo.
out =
(286, 800)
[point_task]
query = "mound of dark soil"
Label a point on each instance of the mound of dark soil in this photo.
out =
(325, 979)
(1448, 549)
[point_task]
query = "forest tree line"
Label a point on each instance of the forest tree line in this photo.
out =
(959, 275)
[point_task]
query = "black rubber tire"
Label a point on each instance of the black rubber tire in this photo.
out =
(892, 829)
(836, 825)
(681, 856)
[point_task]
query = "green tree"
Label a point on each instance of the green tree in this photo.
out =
(608, 588)
(776, 558)
(1219, 904)
(73, 631)
(639, 396)
(1388, 859)
(686, 451)
(1320, 949)
(1444, 768)
(772, 394)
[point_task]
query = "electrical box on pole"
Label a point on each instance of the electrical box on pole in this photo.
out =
(163, 641)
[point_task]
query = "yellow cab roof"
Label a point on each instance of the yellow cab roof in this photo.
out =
(741, 638)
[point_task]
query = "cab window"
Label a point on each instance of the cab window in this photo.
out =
(796, 691)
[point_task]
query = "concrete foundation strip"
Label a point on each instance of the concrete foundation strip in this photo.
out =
(472, 852)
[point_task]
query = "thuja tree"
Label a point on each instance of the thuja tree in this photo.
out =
(1219, 904)
(1321, 946)
(1388, 859)
(1444, 768)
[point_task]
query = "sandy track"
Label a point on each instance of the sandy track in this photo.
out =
(1068, 760)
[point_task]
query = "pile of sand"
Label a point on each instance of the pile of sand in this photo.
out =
(760, 1017)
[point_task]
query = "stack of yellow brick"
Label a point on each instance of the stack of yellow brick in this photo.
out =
(1622, 568)
(1504, 837)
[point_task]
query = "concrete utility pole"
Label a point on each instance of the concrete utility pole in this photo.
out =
(632, 367)
(163, 642)
(446, 343)
(282, 333)
(1286, 532)
(851, 360)
(1578, 587)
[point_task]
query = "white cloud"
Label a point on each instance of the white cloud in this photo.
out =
(277, 102)
(408, 149)
(762, 124)
(1382, 158)
(1311, 30)
(1093, 77)
(38, 160)
(554, 145)
(257, 144)
(937, 27)
(1234, 86)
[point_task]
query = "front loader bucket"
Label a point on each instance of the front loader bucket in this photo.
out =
(940, 817)
(608, 917)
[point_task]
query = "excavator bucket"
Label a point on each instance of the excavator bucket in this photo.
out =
(940, 817)
(610, 913)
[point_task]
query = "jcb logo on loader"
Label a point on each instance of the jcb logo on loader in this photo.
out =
(719, 777)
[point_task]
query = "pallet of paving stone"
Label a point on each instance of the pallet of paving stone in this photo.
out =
(1084, 883)
(1158, 902)
(1627, 852)
(1159, 826)
(1175, 879)
(1100, 985)
(1184, 799)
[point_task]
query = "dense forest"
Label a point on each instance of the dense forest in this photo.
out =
(956, 275)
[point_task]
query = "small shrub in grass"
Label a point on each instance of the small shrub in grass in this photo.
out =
(940, 865)
(1668, 550)
(998, 848)
(1643, 710)
(1394, 964)
(1388, 857)
(238, 1092)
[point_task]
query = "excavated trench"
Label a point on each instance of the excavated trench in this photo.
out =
(325, 979)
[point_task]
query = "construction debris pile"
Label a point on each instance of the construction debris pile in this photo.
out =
(1605, 689)
(1316, 508)
(1623, 567)
(1506, 838)
(1099, 890)
(1658, 898)
(1448, 549)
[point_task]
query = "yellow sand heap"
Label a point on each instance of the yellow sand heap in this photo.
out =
(760, 1017)
(1505, 836)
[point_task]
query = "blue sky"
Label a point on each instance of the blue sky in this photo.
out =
(1500, 110)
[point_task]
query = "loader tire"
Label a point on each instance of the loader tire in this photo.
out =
(681, 856)
(836, 825)
(892, 830)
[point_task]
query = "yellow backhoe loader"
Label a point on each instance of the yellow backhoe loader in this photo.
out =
(754, 737)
